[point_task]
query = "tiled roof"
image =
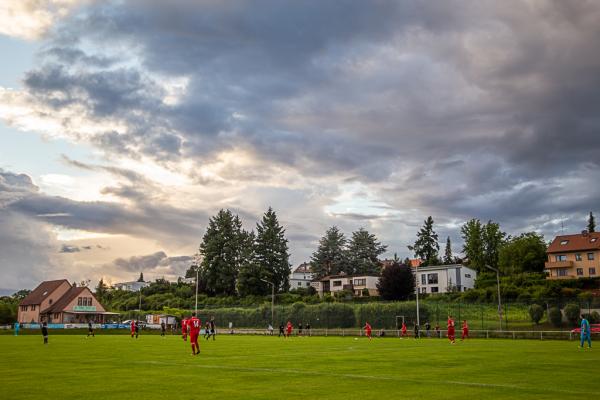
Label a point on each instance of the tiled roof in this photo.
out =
(41, 292)
(303, 268)
(578, 242)
(61, 303)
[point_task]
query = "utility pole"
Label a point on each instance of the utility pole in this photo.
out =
(417, 289)
(272, 300)
(499, 300)
(198, 261)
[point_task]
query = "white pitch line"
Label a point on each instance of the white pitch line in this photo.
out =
(358, 376)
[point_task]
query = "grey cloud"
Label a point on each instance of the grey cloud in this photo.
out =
(154, 263)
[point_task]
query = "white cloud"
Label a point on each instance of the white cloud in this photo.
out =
(31, 19)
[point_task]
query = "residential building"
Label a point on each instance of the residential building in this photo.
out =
(444, 278)
(58, 302)
(574, 256)
(133, 286)
(356, 284)
(301, 277)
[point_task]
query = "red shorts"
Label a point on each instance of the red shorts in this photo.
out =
(368, 333)
(194, 337)
(450, 331)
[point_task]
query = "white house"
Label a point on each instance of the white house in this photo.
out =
(301, 277)
(133, 286)
(357, 284)
(445, 278)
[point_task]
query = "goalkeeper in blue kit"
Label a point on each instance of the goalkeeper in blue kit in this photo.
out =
(586, 334)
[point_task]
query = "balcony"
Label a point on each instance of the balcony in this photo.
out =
(559, 264)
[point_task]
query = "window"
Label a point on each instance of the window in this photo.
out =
(467, 275)
(360, 282)
(337, 283)
(562, 271)
(79, 301)
(423, 279)
(593, 240)
(579, 271)
(23, 308)
(560, 257)
(578, 257)
(592, 271)
(299, 283)
(307, 284)
(89, 301)
(33, 307)
(432, 278)
(434, 289)
(590, 256)
(423, 290)
(563, 242)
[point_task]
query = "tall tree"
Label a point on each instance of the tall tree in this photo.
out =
(448, 258)
(222, 250)
(330, 257)
(251, 271)
(271, 251)
(363, 254)
(524, 253)
(426, 246)
(493, 239)
(101, 290)
(397, 282)
(472, 234)
(141, 278)
(591, 227)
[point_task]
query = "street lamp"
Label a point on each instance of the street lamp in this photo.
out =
(417, 289)
(272, 300)
(198, 260)
(499, 301)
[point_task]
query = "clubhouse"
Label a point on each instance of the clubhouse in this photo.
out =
(59, 302)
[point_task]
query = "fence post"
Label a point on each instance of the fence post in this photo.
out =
(343, 334)
(514, 335)
(325, 332)
(541, 335)
(487, 334)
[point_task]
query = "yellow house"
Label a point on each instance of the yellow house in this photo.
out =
(574, 256)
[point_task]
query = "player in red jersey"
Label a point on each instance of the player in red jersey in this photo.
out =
(367, 329)
(451, 333)
(132, 327)
(195, 324)
(403, 329)
(465, 330)
(184, 329)
(288, 329)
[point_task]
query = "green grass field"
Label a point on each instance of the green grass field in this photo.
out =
(258, 367)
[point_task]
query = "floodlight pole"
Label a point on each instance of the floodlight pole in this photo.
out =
(499, 300)
(272, 300)
(417, 290)
(198, 260)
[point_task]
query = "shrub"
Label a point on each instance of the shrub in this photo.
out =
(536, 312)
(594, 318)
(572, 313)
(555, 316)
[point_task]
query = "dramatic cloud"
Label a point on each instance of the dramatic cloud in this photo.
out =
(343, 112)
(30, 19)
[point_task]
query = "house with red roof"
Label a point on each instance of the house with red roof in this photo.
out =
(574, 256)
(59, 302)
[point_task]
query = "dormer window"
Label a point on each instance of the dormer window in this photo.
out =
(563, 242)
(593, 240)
(45, 293)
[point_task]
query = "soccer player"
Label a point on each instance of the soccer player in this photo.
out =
(17, 326)
(586, 334)
(367, 329)
(417, 334)
(194, 324)
(212, 328)
(163, 329)
(465, 330)
(132, 327)
(137, 329)
(428, 328)
(90, 329)
(307, 328)
(403, 329)
(281, 330)
(300, 329)
(184, 329)
(289, 329)
(45, 332)
(451, 332)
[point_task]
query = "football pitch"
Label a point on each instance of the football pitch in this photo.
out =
(260, 367)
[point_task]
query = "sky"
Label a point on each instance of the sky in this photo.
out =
(125, 125)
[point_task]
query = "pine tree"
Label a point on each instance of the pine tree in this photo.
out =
(271, 251)
(397, 283)
(363, 254)
(330, 257)
(141, 278)
(251, 272)
(448, 258)
(591, 227)
(101, 290)
(426, 246)
(222, 250)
